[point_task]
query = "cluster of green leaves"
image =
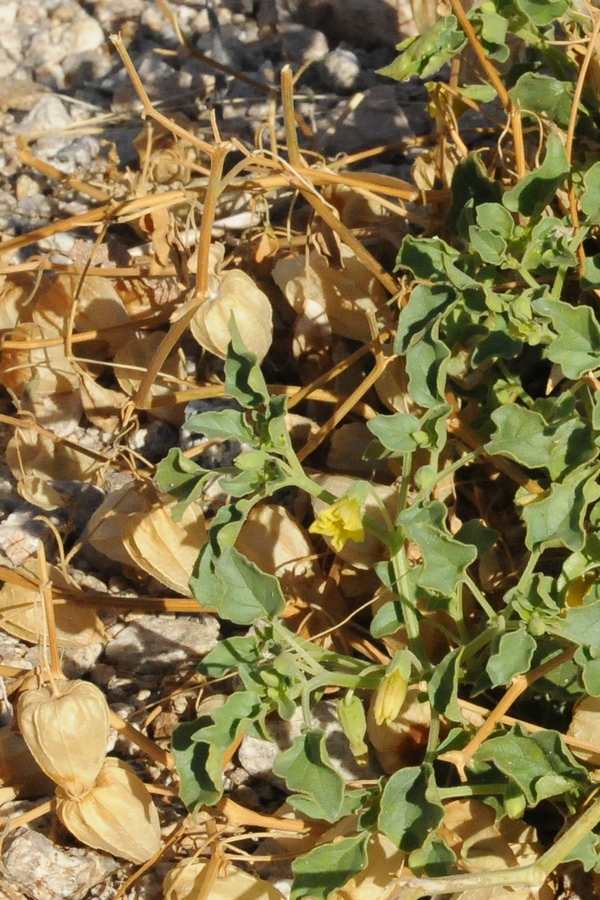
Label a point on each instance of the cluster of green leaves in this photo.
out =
(499, 299)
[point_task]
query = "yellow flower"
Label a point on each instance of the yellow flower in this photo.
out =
(341, 522)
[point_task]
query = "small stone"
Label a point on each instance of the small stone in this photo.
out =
(340, 71)
(301, 44)
(35, 866)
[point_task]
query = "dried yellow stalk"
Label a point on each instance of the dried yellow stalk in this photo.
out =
(117, 815)
(67, 732)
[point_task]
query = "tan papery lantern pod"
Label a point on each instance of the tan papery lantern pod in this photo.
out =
(66, 729)
(117, 815)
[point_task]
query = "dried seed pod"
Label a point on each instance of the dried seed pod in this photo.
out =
(117, 815)
(67, 732)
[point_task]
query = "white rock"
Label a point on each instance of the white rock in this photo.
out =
(33, 864)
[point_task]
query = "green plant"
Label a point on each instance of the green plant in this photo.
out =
(500, 342)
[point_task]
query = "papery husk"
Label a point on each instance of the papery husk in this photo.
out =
(131, 363)
(186, 881)
(67, 732)
(346, 295)
(165, 549)
(33, 457)
(133, 526)
(117, 815)
(272, 539)
(585, 726)
(403, 741)
(365, 554)
(22, 614)
(20, 775)
(238, 294)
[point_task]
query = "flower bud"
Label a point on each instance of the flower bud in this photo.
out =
(353, 720)
(390, 697)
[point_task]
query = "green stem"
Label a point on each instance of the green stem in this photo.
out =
(478, 643)
(411, 620)
(481, 599)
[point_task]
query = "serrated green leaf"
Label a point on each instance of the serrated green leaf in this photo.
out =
(250, 593)
(471, 185)
(490, 247)
(195, 786)
(244, 380)
(434, 860)
(589, 666)
(326, 867)
(445, 559)
(590, 199)
(443, 686)
(410, 807)
(306, 767)
(539, 764)
(556, 519)
(590, 277)
(576, 348)
(425, 55)
(225, 424)
(495, 218)
(424, 257)
(425, 304)
(481, 536)
(395, 431)
(543, 12)
(532, 194)
(182, 478)
(426, 367)
(228, 655)
(581, 625)
(512, 657)
(544, 95)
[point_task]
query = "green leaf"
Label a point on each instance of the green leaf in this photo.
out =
(589, 665)
(590, 277)
(434, 860)
(443, 686)
(426, 366)
(445, 559)
(388, 619)
(410, 807)
(543, 12)
(581, 625)
(306, 767)
(182, 478)
(202, 766)
(495, 218)
(539, 764)
(195, 786)
(424, 257)
(513, 657)
(229, 654)
(205, 585)
(396, 431)
(490, 247)
(425, 304)
(532, 194)
(327, 867)
(576, 348)
(544, 95)
(425, 55)
(590, 199)
(250, 593)
(556, 519)
(481, 536)
(471, 185)
(243, 377)
(226, 424)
